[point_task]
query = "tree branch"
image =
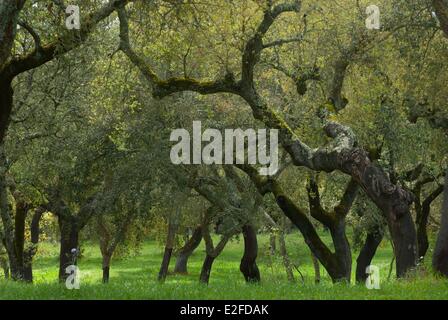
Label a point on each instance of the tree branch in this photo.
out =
(65, 42)
(162, 88)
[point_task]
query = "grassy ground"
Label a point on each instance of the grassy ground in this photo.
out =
(135, 278)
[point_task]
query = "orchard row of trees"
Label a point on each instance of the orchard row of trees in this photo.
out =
(86, 115)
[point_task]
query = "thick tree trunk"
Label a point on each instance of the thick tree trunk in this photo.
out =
(440, 257)
(342, 254)
(391, 199)
(206, 269)
(367, 253)
(248, 265)
(69, 240)
(171, 236)
(186, 251)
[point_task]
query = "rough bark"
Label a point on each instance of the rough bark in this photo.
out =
(440, 257)
(187, 250)
(248, 265)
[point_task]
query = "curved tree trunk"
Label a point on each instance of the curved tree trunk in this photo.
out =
(367, 253)
(440, 257)
(422, 217)
(186, 251)
(206, 269)
(211, 253)
(248, 265)
(342, 253)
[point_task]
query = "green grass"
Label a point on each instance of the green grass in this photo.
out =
(135, 278)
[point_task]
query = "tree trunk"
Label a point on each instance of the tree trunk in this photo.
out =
(171, 236)
(422, 236)
(9, 11)
(6, 103)
(440, 257)
(285, 257)
(69, 240)
(8, 226)
(248, 265)
(206, 269)
(342, 254)
(316, 266)
(106, 268)
(31, 251)
(423, 211)
(367, 253)
(186, 251)
(19, 234)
